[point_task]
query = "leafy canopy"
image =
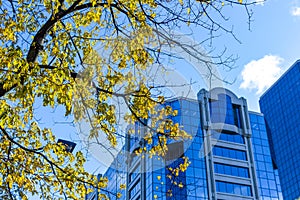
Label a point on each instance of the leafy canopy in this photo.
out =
(47, 55)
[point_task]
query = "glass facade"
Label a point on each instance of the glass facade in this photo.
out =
(281, 107)
(269, 185)
(117, 176)
(188, 185)
(228, 161)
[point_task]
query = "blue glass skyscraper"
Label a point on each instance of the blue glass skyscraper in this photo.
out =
(281, 107)
(229, 155)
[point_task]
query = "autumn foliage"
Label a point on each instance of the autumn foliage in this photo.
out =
(48, 58)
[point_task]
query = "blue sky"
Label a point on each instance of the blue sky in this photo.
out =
(266, 51)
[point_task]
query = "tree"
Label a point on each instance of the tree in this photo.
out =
(47, 55)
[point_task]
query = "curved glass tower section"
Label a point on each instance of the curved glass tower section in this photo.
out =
(228, 146)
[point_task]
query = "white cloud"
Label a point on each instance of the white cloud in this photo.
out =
(295, 11)
(261, 74)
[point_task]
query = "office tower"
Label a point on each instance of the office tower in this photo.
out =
(229, 155)
(281, 107)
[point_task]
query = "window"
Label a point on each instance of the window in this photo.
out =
(228, 136)
(231, 170)
(229, 153)
(237, 115)
(233, 188)
(223, 111)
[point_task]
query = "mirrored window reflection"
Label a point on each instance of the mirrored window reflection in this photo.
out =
(228, 136)
(229, 153)
(223, 111)
(231, 170)
(233, 188)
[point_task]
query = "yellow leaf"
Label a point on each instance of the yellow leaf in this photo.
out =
(188, 10)
(122, 186)
(180, 185)
(119, 195)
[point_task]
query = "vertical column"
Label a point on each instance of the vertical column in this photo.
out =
(143, 162)
(203, 98)
(128, 161)
(247, 135)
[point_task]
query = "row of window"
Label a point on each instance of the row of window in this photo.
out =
(231, 170)
(229, 153)
(233, 188)
(236, 138)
